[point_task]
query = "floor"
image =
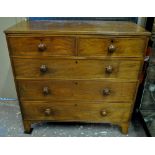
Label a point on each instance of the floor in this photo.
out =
(11, 126)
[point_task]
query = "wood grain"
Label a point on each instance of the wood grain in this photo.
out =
(56, 45)
(77, 27)
(76, 111)
(76, 89)
(75, 54)
(84, 69)
(125, 47)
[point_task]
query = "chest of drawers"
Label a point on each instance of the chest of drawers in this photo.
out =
(77, 71)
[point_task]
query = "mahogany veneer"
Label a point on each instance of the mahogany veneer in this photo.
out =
(82, 71)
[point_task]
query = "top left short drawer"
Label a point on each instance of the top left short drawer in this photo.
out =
(42, 46)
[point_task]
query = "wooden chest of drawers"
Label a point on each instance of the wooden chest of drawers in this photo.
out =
(79, 71)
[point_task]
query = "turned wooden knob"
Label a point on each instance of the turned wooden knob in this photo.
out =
(45, 90)
(109, 69)
(42, 47)
(47, 111)
(103, 113)
(43, 68)
(111, 48)
(106, 91)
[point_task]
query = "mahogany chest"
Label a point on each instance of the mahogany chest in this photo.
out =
(77, 71)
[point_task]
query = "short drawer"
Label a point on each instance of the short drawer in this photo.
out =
(116, 47)
(59, 68)
(76, 111)
(42, 46)
(76, 90)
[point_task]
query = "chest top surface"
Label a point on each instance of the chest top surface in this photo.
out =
(78, 27)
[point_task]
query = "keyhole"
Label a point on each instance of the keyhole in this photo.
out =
(76, 83)
(76, 62)
(112, 41)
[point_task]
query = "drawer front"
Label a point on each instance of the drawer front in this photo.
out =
(58, 68)
(120, 47)
(77, 90)
(42, 46)
(76, 111)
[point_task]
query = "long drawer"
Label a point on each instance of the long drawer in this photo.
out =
(69, 68)
(77, 90)
(76, 111)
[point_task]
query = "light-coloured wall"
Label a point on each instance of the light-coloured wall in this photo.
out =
(7, 86)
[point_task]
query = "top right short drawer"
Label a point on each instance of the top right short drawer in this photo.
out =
(115, 47)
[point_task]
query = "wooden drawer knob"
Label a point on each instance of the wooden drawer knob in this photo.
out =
(111, 48)
(106, 91)
(103, 113)
(109, 69)
(43, 68)
(48, 111)
(45, 90)
(42, 47)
